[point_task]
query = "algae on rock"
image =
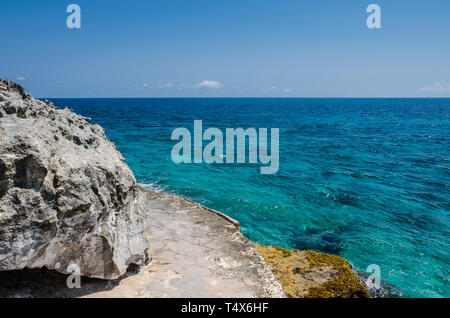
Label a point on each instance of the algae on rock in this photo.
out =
(309, 274)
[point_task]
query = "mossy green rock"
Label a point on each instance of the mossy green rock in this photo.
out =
(309, 274)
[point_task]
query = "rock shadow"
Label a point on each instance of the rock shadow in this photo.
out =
(44, 283)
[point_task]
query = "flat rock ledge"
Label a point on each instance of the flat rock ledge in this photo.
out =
(196, 253)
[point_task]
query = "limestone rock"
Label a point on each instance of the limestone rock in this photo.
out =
(66, 194)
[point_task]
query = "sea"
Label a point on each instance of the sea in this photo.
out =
(365, 179)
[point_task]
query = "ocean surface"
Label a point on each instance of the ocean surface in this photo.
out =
(366, 179)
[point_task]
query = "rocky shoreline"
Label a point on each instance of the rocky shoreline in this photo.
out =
(199, 252)
(67, 197)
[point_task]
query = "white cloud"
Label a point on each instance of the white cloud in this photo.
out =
(20, 78)
(158, 86)
(275, 88)
(209, 84)
(436, 88)
(270, 89)
(168, 85)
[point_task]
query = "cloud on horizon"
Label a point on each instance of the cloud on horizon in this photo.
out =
(270, 89)
(436, 88)
(275, 88)
(208, 84)
(203, 85)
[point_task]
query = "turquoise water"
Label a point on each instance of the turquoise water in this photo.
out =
(366, 179)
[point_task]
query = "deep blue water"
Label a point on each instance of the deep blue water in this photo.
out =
(366, 179)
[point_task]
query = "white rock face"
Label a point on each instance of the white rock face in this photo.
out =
(66, 194)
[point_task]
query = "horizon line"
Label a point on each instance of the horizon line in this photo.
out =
(247, 97)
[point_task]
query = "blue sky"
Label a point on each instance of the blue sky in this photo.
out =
(187, 48)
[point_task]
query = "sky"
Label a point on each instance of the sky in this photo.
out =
(227, 48)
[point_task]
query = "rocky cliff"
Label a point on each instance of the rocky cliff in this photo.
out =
(67, 197)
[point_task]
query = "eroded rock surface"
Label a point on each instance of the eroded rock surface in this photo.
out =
(66, 194)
